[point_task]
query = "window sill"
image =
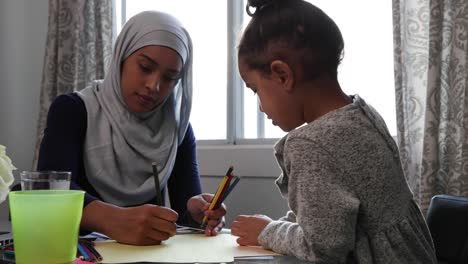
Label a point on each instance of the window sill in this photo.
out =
(252, 160)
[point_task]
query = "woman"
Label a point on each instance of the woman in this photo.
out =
(109, 134)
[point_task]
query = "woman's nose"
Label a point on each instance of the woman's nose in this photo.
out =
(153, 83)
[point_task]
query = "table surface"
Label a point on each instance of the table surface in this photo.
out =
(264, 260)
(269, 260)
(5, 226)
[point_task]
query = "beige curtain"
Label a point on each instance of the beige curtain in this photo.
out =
(431, 77)
(78, 49)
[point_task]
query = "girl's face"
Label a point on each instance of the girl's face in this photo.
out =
(274, 99)
(148, 77)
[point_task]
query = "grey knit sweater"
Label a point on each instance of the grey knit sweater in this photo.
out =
(348, 196)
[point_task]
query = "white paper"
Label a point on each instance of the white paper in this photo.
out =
(189, 248)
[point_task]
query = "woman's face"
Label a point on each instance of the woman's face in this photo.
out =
(148, 77)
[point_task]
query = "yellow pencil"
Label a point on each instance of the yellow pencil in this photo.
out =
(216, 202)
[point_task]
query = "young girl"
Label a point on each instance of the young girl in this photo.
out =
(341, 171)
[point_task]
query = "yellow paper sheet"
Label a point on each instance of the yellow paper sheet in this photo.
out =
(181, 249)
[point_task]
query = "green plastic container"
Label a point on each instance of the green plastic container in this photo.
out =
(45, 225)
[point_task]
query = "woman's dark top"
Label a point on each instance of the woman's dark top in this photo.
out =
(62, 149)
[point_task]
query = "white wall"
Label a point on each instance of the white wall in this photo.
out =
(23, 29)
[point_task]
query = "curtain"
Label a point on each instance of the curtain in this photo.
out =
(431, 79)
(78, 50)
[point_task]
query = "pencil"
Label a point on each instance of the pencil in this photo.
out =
(83, 252)
(92, 258)
(233, 184)
(156, 183)
(90, 246)
(216, 202)
(9, 253)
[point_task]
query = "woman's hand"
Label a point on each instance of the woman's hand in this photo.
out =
(248, 228)
(198, 206)
(141, 225)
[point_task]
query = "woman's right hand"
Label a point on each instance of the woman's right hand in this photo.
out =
(141, 225)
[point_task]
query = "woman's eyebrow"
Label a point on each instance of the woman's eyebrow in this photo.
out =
(149, 58)
(156, 63)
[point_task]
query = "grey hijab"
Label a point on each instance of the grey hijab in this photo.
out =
(121, 145)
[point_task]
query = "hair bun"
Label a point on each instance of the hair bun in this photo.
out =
(261, 4)
(257, 4)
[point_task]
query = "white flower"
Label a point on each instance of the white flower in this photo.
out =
(6, 174)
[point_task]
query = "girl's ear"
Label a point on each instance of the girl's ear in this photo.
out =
(282, 73)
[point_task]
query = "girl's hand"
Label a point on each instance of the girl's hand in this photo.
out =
(198, 208)
(141, 225)
(248, 228)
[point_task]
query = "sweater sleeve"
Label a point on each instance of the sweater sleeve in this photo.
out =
(185, 179)
(62, 144)
(289, 217)
(326, 211)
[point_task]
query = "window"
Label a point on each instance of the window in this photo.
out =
(215, 27)
(367, 67)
